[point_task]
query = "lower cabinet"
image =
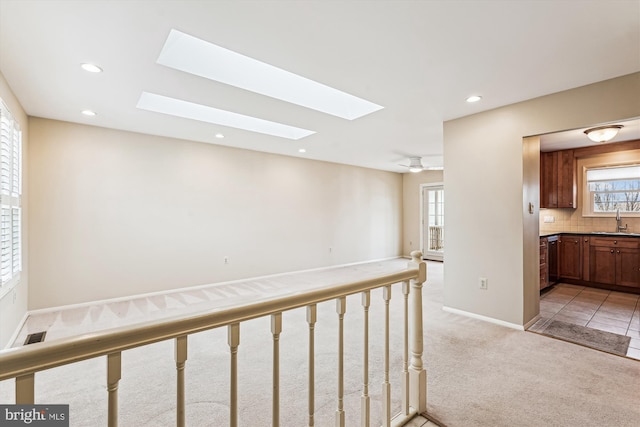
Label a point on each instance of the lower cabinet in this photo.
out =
(552, 259)
(570, 257)
(615, 261)
(544, 273)
(603, 261)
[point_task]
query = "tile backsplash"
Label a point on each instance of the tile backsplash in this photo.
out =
(571, 220)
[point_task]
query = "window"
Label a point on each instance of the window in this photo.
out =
(10, 198)
(613, 188)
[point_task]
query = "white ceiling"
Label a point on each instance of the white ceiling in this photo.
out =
(575, 138)
(418, 59)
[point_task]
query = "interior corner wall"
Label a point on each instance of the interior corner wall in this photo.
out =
(13, 305)
(116, 213)
(484, 164)
(411, 183)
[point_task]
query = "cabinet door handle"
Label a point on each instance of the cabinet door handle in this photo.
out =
(611, 250)
(618, 251)
(615, 242)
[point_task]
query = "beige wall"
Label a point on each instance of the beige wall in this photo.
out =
(411, 208)
(485, 177)
(117, 213)
(13, 305)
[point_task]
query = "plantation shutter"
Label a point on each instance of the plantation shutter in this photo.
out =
(10, 197)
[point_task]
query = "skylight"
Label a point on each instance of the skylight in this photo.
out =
(195, 56)
(189, 110)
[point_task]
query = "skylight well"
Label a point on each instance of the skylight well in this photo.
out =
(189, 110)
(199, 57)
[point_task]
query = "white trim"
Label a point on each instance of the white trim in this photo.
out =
(422, 187)
(401, 419)
(189, 288)
(16, 332)
(484, 318)
(598, 163)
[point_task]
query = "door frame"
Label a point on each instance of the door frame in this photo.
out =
(422, 242)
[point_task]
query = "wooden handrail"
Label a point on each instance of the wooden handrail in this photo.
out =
(21, 361)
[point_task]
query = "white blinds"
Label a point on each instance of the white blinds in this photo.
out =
(10, 197)
(613, 173)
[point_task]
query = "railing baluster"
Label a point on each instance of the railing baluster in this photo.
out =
(311, 319)
(276, 328)
(180, 358)
(386, 387)
(114, 373)
(365, 400)
(341, 308)
(405, 354)
(233, 338)
(25, 389)
(417, 374)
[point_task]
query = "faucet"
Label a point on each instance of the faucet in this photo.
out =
(619, 227)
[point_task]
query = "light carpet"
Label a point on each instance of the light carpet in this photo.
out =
(479, 374)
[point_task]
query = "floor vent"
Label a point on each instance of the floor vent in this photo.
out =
(34, 338)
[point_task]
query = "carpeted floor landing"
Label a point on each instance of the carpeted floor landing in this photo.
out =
(479, 374)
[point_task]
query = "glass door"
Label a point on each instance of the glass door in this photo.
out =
(433, 222)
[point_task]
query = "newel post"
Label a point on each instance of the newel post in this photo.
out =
(417, 373)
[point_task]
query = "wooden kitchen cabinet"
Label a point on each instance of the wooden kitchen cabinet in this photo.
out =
(558, 179)
(570, 257)
(549, 179)
(615, 261)
(544, 273)
(602, 265)
(552, 259)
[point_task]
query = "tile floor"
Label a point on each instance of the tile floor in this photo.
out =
(609, 311)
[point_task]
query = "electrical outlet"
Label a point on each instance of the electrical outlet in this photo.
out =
(226, 260)
(483, 283)
(329, 250)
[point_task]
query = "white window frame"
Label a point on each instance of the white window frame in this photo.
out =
(10, 200)
(588, 196)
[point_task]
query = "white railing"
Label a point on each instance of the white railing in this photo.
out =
(436, 237)
(22, 363)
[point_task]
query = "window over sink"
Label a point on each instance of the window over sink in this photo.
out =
(609, 189)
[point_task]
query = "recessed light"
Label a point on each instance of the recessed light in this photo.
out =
(302, 150)
(204, 113)
(201, 58)
(88, 113)
(219, 135)
(474, 98)
(92, 68)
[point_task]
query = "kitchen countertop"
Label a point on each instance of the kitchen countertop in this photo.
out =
(591, 233)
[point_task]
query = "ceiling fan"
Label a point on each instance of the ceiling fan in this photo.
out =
(415, 165)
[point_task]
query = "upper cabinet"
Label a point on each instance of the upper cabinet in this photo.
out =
(558, 179)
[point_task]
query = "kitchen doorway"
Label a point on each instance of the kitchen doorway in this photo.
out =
(432, 221)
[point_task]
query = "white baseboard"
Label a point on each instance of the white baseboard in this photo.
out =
(484, 318)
